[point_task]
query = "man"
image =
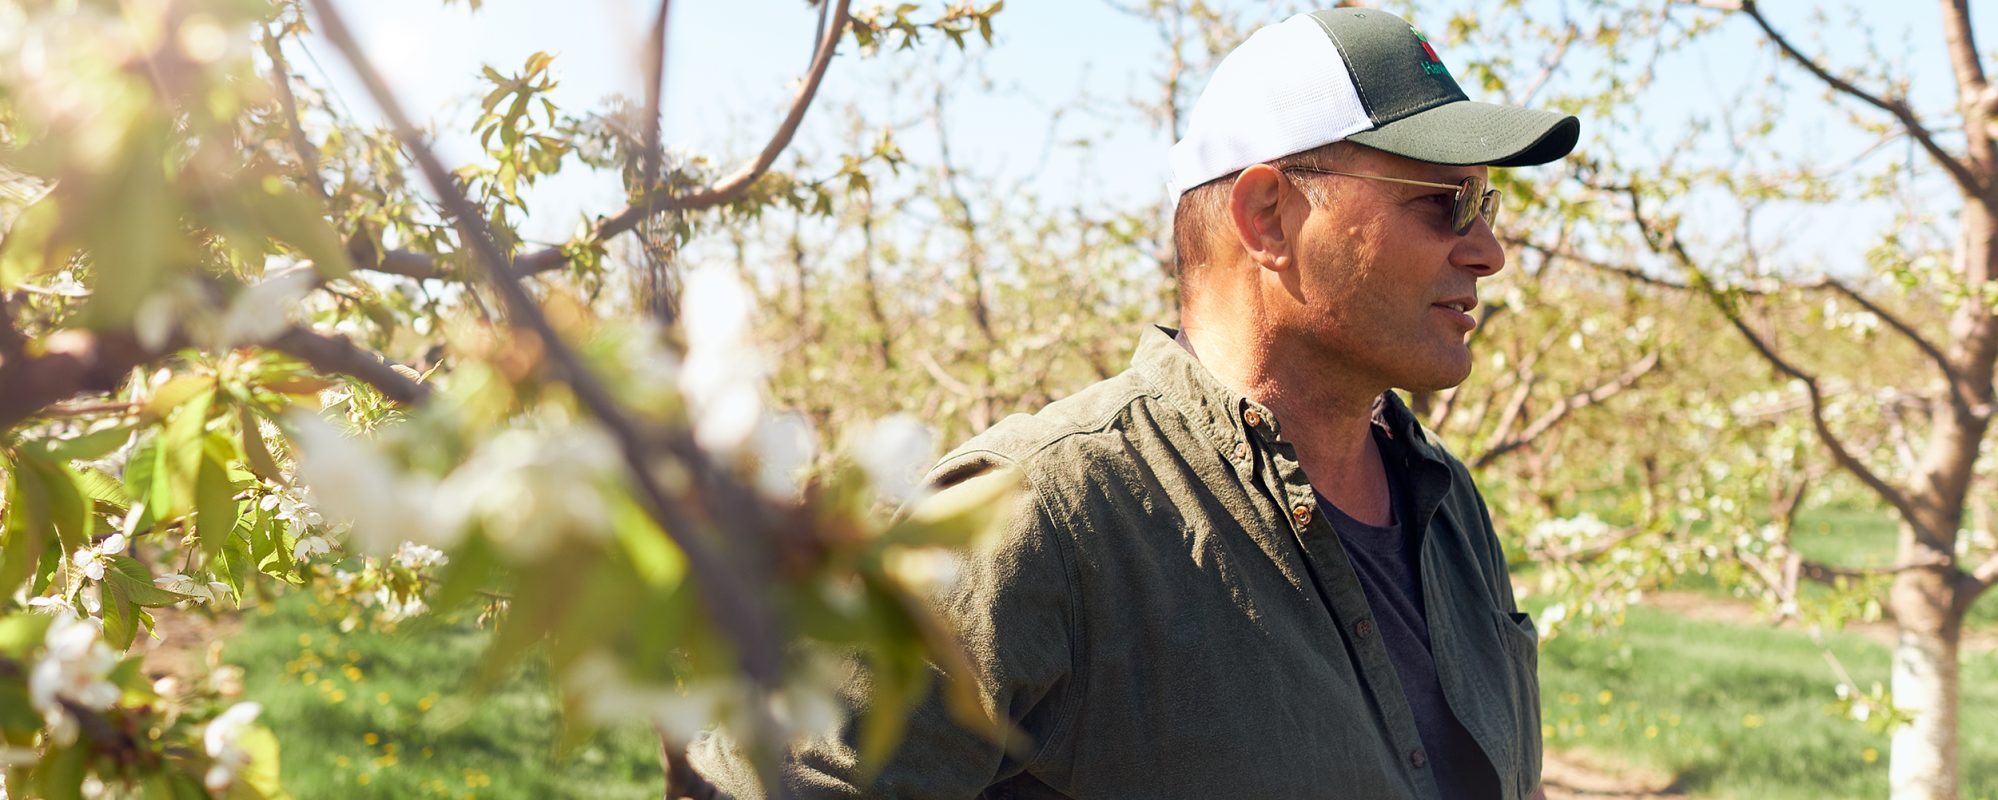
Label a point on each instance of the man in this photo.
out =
(1242, 569)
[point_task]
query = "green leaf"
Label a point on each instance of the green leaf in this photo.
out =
(471, 566)
(26, 249)
(102, 488)
(20, 634)
(68, 513)
(90, 446)
(542, 602)
(61, 771)
(146, 482)
(27, 526)
(261, 775)
(652, 555)
(536, 63)
(299, 220)
(136, 584)
(959, 515)
(17, 712)
(255, 451)
(182, 445)
(121, 615)
(130, 231)
(215, 506)
(177, 390)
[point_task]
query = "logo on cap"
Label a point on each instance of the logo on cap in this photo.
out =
(1432, 65)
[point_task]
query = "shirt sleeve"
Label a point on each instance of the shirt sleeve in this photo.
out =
(1012, 609)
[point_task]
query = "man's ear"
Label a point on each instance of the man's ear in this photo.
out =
(1255, 207)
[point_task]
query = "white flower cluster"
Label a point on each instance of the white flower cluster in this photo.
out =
(74, 669)
(1863, 322)
(223, 741)
(199, 592)
(293, 505)
(90, 561)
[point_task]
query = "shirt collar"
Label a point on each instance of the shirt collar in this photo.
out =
(1166, 358)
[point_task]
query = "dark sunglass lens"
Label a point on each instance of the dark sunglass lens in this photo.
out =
(1470, 195)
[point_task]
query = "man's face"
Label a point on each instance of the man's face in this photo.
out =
(1382, 284)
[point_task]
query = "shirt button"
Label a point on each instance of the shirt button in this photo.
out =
(1253, 417)
(1241, 451)
(1363, 629)
(1302, 513)
(1417, 759)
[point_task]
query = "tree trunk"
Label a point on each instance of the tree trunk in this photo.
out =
(1923, 759)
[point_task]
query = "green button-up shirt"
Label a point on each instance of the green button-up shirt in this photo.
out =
(1171, 617)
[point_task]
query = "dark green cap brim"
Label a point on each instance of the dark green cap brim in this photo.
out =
(1464, 133)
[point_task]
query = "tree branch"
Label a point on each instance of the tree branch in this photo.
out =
(1986, 575)
(1568, 405)
(1965, 178)
(1935, 354)
(1829, 574)
(335, 355)
(71, 362)
(1667, 242)
(657, 200)
(1974, 97)
(742, 618)
(308, 155)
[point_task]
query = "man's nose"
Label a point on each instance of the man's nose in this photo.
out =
(1478, 251)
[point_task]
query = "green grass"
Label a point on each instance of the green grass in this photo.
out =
(367, 714)
(1740, 711)
(1847, 536)
(1730, 711)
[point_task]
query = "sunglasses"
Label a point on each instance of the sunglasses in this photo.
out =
(1475, 198)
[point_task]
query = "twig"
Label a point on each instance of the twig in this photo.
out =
(1569, 404)
(1666, 242)
(655, 79)
(336, 355)
(308, 155)
(1548, 66)
(1965, 179)
(660, 199)
(742, 618)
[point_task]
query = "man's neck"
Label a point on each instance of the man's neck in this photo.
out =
(1326, 415)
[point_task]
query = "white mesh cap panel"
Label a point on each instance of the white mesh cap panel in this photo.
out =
(1284, 90)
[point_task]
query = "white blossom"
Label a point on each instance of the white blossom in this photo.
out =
(223, 739)
(257, 313)
(608, 695)
(895, 452)
(198, 591)
(74, 668)
(723, 375)
(310, 545)
(394, 608)
(529, 488)
(357, 486)
(416, 557)
(785, 444)
(91, 560)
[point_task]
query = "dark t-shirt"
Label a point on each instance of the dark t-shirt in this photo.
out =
(1385, 561)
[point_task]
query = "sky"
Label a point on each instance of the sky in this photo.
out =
(731, 66)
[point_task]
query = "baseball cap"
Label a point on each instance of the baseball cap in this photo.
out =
(1354, 74)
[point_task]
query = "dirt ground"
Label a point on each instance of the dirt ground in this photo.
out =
(1581, 775)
